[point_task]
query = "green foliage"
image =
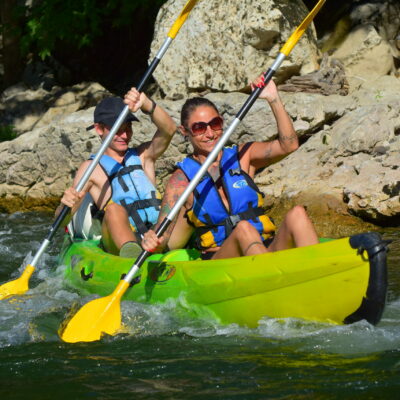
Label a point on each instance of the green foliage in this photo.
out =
(78, 22)
(7, 133)
(378, 95)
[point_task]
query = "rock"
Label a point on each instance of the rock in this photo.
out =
(346, 171)
(329, 79)
(24, 108)
(365, 54)
(357, 166)
(235, 41)
(384, 16)
(40, 164)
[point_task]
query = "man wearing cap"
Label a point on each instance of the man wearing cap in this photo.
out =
(123, 183)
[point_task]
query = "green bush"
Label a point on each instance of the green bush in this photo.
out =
(78, 22)
(7, 133)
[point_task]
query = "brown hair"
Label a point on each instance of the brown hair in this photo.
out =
(190, 106)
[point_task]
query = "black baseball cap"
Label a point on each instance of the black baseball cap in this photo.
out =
(108, 111)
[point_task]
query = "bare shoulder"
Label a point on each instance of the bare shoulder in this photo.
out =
(178, 180)
(175, 187)
(98, 176)
(244, 149)
(258, 154)
(84, 165)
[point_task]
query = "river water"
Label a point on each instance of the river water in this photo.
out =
(167, 355)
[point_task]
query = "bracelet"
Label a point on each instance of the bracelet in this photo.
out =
(153, 107)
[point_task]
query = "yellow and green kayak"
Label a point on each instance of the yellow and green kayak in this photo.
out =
(337, 281)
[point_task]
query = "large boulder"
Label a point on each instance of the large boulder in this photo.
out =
(25, 108)
(346, 171)
(384, 16)
(226, 44)
(365, 54)
(348, 167)
(367, 40)
(37, 166)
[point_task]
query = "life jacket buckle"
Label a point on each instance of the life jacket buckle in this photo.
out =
(234, 219)
(235, 171)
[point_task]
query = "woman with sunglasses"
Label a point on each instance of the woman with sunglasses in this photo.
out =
(225, 210)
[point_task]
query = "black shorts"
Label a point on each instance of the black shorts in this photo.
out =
(207, 255)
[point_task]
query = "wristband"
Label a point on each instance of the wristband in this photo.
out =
(153, 107)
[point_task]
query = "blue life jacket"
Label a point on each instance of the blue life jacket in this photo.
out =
(132, 189)
(212, 221)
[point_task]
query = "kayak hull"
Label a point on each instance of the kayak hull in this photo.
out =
(339, 281)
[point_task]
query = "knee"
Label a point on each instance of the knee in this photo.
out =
(298, 212)
(297, 215)
(245, 228)
(112, 211)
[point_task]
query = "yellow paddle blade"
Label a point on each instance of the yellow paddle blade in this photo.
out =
(95, 318)
(182, 18)
(17, 286)
(296, 35)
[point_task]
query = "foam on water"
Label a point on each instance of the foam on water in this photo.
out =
(357, 338)
(36, 316)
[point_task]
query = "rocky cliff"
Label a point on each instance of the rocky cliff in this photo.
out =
(345, 110)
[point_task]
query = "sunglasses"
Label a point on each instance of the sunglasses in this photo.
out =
(200, 128)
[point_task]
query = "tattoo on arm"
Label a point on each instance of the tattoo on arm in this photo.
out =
(165, 209)
(288, 138)
(175, 187)
(268, 151)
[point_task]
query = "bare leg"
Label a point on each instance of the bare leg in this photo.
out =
(116, 228)
(243, 241)
(296, 230)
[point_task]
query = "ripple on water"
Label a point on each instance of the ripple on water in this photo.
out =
(36, 316)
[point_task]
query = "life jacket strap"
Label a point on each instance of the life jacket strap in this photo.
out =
(250, 214)
(132, 210)
(231, 221)
(210, 223)
(125, 171)
(142, 204)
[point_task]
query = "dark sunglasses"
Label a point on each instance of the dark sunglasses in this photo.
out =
(200, 128)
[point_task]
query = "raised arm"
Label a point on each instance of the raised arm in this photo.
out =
(166, 127)
(265, 153)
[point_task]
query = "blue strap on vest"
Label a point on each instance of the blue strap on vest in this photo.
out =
(241, 191)
(132, 189)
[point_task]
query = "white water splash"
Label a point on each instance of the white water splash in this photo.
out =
(37, 315)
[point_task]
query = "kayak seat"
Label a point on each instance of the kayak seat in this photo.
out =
(83, 225)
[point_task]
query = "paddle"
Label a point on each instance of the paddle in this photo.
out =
(103, 315)
(20, 285)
